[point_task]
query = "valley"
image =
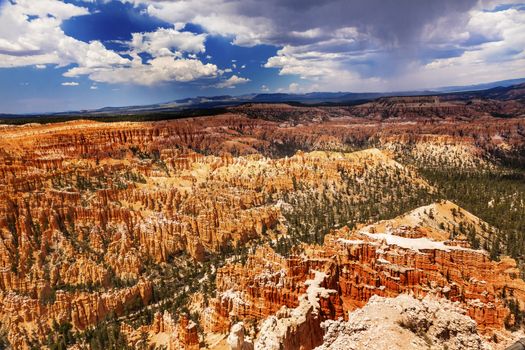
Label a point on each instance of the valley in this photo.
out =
(268, 226)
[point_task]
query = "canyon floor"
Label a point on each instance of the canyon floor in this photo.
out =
(394, 224)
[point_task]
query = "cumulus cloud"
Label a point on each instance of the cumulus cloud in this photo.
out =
(503, 55)
(164, 41)
(311, 64)
(157, 70)
(215, 16)
(31, 34)
(232, 82)
(70, 83)
(167, 48)
(293, 87)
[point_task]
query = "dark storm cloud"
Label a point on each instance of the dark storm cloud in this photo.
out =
(393, 29)
(352, 40)
(391, 33)
(392, 22)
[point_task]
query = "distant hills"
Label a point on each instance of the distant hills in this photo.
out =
(501, 83)
(504, 89)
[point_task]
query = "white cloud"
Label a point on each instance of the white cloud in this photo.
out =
(265, 88)
(93, 87)
(70, 83)
(164, 41)
(293, 87)
(167, 48)
(40, 41)
(502, 58)
(309, 34)
(304, 64)
(232, 82)
(296, 88)
(217, 17)
(158, 70)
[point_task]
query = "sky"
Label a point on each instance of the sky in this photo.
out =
(83, 54)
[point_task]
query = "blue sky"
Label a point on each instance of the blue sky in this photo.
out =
(81, 54)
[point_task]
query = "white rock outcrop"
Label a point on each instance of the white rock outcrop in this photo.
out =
(404, 323)
(297, 328)
(237, 340)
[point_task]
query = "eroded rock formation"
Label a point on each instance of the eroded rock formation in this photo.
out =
(92, 214)
(407, 255)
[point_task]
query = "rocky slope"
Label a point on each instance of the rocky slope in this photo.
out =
(287, 299)
(404, 323)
